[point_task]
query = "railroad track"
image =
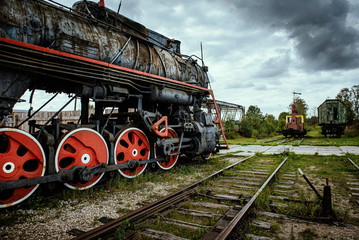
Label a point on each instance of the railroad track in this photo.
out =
(286, 140)
(292, 139)
(278, 139)
(301, 140)
(274, 140)
(353, 182)
(289, 209)
(208, 209)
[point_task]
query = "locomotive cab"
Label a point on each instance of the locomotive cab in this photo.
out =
(296, 123)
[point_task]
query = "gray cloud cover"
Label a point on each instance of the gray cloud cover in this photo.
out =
(319, 28)
(259, 51)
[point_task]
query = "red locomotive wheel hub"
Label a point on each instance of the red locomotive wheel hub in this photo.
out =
(131, 144)
(21, 157)
(166, 165)
(81, 147)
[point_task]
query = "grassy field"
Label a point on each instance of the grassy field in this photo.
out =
(313, 138)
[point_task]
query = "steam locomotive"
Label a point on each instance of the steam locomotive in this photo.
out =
(153, 93)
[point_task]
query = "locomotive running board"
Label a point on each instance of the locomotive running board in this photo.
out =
(47, 62)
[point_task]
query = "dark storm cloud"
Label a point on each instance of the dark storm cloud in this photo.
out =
(319, 28)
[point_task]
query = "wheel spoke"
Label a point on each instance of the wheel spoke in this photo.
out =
(23, 158)
(13, 147)
(75, 143)
(135, 140)
(30, 174)
(28, 156)
(126, 140)
(66, 154)
(131, 150)
(81, 147)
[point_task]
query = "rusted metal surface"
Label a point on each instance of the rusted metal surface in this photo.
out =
(10, 90)
(309, 183)
(35, 62)
(127, 44)
(228, 111)
(294, 125)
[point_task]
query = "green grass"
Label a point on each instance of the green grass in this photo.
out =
(308, 234)
(317, 169)
(239, 140)
(189, 233)
(175, 214)
(252, 229)
(14, 216)
(190, 205)
(314, 137)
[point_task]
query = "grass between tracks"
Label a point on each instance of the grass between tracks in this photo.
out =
(314, 137)
(150, 185)
(307, 205)
(316, 168)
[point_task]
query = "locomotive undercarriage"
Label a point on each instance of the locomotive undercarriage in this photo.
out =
(333, 129)
(78, 154)
(147, 124)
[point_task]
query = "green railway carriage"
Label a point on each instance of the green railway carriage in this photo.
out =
(332, 117)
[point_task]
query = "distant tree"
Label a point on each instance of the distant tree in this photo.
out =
(269, 125)
(313, 120)
(256, 125)
(253, 111)
(350, 98)
(245, 128)
(254, 115)
(300, 105)
(355, 99)
(229, 128)
(281, 120)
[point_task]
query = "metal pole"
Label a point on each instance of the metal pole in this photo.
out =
(310, 184)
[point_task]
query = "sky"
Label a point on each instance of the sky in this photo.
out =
(259, 51)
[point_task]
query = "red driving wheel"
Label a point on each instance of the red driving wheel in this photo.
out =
(131, 144)
(166, 165)
(81, 147)
(21, 157)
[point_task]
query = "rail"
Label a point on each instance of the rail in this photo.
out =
(165, 203)
(151, 209)
(228, 230)
(352, 162)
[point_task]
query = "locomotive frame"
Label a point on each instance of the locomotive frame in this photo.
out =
(155, 99)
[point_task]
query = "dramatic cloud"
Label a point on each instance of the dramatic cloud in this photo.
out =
(319, 28)
(258, 51)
